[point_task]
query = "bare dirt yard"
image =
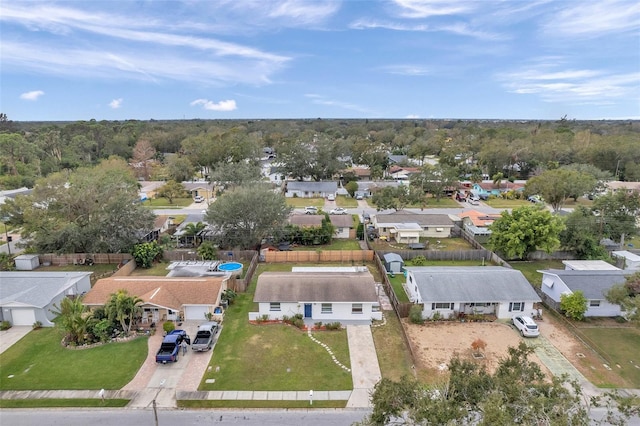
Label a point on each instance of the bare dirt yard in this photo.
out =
(434, 344)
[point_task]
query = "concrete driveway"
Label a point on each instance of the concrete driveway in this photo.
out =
(12, 335)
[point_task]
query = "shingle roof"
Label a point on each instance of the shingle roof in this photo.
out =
(342, 221)
(593, 284)
(306, 219)
(472, 284)
(167, 292)
(36, 289)
(327, 186)
(404, 216)
(319, 287)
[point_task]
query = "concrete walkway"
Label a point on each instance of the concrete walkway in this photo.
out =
(365, 370)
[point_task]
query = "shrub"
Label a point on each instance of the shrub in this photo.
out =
(419, 261)
(574, 305)
(333, 326)
(318, 324)
(5, 325)
(36, 325)
(168, 326)
(263, 318)
(297, 322)
(415, 315)
(437, 316)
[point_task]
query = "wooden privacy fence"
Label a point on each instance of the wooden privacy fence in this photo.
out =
(191, 254)
(478, 255)
(80, 258)
(341, 256)
(241, 284)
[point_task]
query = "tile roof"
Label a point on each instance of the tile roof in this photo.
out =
(315, 287)
(167, 292)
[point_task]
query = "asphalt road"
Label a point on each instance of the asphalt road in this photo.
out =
(120, 417)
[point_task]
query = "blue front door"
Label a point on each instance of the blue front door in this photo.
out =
(307, 310)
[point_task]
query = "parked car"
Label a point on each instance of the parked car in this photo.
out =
(359, 197)
(198, 198)
(310, 210)
(205, 336)
(460, 196)
(535, 199)
(331, 197)
(338, 210)
(526, 326)
(170, 347)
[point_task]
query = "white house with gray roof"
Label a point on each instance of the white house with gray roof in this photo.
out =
(311, 189)
(407, 227)
(452, 290)
(27, 297)
(319, 296)
(593, 284)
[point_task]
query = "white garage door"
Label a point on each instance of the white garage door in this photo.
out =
(195, 312)
(23, 316)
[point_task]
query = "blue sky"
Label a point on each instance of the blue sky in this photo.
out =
(115, 60)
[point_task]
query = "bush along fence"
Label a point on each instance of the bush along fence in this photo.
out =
(84, 258)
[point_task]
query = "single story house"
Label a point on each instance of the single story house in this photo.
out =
(311, 189)
(403, 173)
(593, 284)
(477, 224)
(486, 188)
(453, 290)
(27, 297)
(631, 260)
(588, 265)
(407, 227)
(318, 296)
(343, 223)
(368, 188)
(164, 298)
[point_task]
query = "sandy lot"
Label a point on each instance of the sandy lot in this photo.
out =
(434, 344)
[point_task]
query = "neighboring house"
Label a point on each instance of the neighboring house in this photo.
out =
(13, 193)
(27, 297)
(361, 172)
(631, 260)
(273, 171)
(164, 298)
(451, 290)
(477, 224)
(407, 227)
(629, 187)
(343, 223)
(593, 284)
(311, 189)
(161, 224)
(403, 173)
(368, 188)
(318, 296)
(484, 189)
(588, 265)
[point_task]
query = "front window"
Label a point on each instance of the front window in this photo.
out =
(274, 306)
(516, 306)
(441, 306)
(594, 303)
(356, 308)
(327, 308)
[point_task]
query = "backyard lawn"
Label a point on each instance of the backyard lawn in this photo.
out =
(530, 269)
(336, 244)
(39, 362)
(274, 356)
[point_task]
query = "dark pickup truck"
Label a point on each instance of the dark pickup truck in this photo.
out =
(170, 348)
(204, 338)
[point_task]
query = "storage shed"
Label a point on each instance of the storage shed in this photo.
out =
(27, 262)
(393, 262)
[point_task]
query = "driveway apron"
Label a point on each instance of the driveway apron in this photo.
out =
(9, 337)
(365, 370)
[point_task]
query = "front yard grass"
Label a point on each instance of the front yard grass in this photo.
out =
(297, 202)
(58, 402)
(274, 356)
(212, 403)
(501, 203)
(39, 362)
(393, 355)
(622, 346)
(346, 202)
(530, 269)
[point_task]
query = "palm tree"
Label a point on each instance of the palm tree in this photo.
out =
(193, 229)
(123, 308)
(73, 318)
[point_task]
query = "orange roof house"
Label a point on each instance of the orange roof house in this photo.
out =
(164, 298)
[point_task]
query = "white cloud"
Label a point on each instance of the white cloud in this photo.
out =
(410, 70)
(593, 87)
(302, 11)
(427, 8)
(228, 105)
(32, 96)
(595, 18)
(410, 116)
(116, 103)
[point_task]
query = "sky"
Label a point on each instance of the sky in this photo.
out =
(252, 59)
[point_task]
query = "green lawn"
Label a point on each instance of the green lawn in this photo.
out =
(529, 269)
(622, 345)
(346, 202)
(164, 203)
(336, 244)
(39, 362)
(446, 244)
(396, 283)
(298, 202)
(157, 269)
(97, 269)
(244, 403)
(393, 355)
(256, 357)
(58, 402)
(500, 203)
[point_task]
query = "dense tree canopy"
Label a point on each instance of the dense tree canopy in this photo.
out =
(523, 230)
(90, 210)
(245, 215)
